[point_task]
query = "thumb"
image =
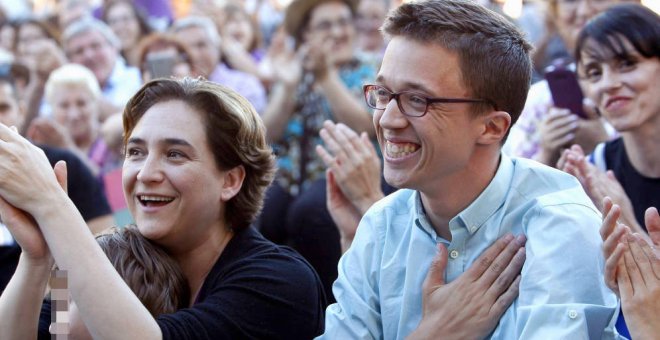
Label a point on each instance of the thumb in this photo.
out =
(61, 175)
(652, 220)
(436, 274)
(590, 109)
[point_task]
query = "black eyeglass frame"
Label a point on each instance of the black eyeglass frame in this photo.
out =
(429, 101)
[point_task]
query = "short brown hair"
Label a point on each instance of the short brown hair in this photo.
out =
(494, 55)
(154, 277)
(234, 131)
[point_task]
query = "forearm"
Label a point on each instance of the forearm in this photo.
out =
(20, 304)
(93, 282)
(344, 106)
(279, 110)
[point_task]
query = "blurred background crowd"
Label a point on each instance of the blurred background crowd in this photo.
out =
(68, 67)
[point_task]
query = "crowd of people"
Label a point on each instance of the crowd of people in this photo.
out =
(330, 168)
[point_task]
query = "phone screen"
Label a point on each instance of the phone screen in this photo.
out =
(565, 89)
(161, 65)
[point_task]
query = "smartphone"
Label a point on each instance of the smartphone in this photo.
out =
(565, 89)
(161, 64)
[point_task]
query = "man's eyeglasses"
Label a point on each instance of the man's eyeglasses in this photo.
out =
(410, 103)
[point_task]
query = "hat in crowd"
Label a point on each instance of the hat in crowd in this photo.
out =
(297, 10)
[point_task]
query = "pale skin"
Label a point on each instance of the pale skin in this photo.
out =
(92, 279)
(353, 176)
(598, 184)
(632, 269)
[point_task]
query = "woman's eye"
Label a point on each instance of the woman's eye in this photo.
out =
(175, 154)
(133, 152)
(592, 73)
(626, 64)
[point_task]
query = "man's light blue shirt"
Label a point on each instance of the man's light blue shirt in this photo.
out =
(562, 292)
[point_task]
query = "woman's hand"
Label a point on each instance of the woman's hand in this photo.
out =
(23, 227)
(557, 131)
(598, 184)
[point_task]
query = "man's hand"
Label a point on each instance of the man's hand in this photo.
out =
(471, 306)
(354, 164)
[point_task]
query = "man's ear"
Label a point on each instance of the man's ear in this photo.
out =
(233, 181)
(495, 126)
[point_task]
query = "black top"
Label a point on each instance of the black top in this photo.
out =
(644, 192)
(85, 191)
(256, 290)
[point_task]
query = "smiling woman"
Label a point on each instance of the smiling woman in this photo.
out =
(197, 165)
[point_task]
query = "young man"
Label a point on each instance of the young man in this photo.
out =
(453, 80)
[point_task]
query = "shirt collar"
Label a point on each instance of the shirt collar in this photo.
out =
(482, 208)
(490, 200)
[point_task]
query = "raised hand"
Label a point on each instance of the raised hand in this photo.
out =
(23, 227)
(484, 292)
(557, 130)
(598, 184)
(354, 163)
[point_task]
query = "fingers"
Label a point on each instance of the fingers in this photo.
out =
(611, 268)
(623, 278)
(506, 299)
(61, 175)
(611, 213)
(652, 221)
(505, 267)
(436, 275)
(485, 260)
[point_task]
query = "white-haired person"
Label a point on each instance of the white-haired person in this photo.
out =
(73, 94)
(93, 44)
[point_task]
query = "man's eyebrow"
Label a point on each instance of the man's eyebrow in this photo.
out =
(407, 85)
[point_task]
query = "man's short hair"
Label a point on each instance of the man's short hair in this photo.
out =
(493, 54)
(196, 21)
(89, 24)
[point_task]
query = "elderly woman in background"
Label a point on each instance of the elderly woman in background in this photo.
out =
(197, 165)
(321, 80)
(73, 93)
(129, 24)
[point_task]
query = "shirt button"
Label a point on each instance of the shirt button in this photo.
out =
(453, 254)
(473, 228)
(572, 314)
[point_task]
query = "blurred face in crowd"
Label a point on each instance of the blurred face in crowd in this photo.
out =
(624, 88)
(332, 22)
(7, 33)
(28, 43)
(76, 108)
(239, 27)
(204, 53)
(123, 21)
(571, 15)
(93, 51)
(369, 17)
(167, 57)
(10, 113)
